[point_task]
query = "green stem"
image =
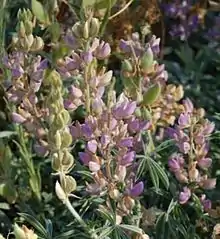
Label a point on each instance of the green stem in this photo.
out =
(35, 183)
(79, 219)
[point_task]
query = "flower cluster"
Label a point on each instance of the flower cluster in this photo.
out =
(191, 163)
(185, 20)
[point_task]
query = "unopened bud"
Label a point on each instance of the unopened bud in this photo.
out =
(23, 233)
(21, 29)
(94, 27)
(77, 30)
(86, 30)
(68, 184)
(66, 138)
(38, 44)
(60, 192)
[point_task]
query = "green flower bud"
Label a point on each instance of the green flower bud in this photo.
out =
(67, 160)
(23, 233)
(58, 122)
(58, 140)
(38, 44)
(28, 27)
(147, 61)
(60, 192)
(68, 184)
(56, 162)
(77, 30)
(86, 30)
(66, 139)
(21, 29)
(66, 116)
(127, 66)
(94, 27)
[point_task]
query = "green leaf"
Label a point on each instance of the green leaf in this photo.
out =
(99, 4)
(36, 224)
(105, 232)
(152, 94)
(6, 134)
(131, 228)
(39, 11)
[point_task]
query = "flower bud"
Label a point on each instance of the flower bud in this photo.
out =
(38, 44)
(21, 29)
(56, 162)
(127, 66)
(17, 118)
(94, 166)
(105, 79)
(60, 192)
(147, 61)
(92, 146)
(28, 27)
(127, 159)
(68, 184)
(66, 138)
(67, 160)
(57, 140)
(136, 190)
(205, 163)
(184, 195)
(86, 30)
(208, 183)
(94, 27)
(77, 30)
(23, 232)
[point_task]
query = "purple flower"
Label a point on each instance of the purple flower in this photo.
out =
(105, 140)
(127, 159)
(85, 158)
(92, 146)
(185, 195)
(136, 190)
(174, 165)
(127, 142)
(124, 109)
(86, 130)
(75, 92)
(208, 183)
(205, 163)
(87, 57)
(17, 118)
(184, 120)
(207, 204)
(103, 50)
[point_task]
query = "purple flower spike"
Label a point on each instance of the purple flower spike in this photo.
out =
(184, 196)
(86, 130)
(17, 118)
(127, 158)
(92, 146)
(85, 158)
(136, 190)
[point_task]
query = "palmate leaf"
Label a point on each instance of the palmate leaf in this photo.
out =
(157, 173)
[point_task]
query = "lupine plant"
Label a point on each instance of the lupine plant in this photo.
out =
(115, 162)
